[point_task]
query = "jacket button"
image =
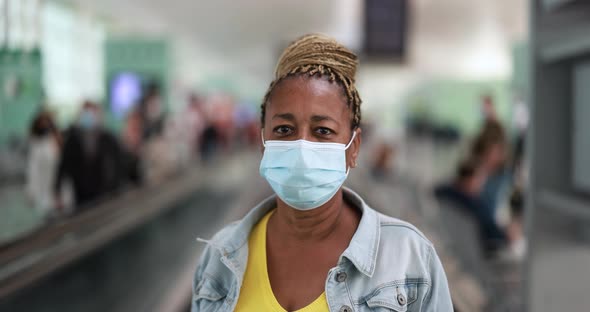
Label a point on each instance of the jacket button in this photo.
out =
(345, 308)
(401, 299)
(341, 277)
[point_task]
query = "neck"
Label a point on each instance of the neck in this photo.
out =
(312, 225)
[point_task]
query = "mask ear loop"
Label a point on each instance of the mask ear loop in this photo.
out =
(351, 139)
(347, 146)
(262, 137)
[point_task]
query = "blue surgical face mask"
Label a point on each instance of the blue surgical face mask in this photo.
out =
(88, 120)
(304, 174)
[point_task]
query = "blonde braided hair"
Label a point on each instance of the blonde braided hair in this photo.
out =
(319, 55)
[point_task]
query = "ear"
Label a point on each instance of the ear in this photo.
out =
(353, 150)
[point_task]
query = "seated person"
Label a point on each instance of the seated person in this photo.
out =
(464, 192)
(490, 150)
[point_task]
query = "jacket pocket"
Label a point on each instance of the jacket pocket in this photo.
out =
(392, 297)
(208, 296)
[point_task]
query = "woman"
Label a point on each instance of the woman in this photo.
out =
(44, 151)
(316, 246)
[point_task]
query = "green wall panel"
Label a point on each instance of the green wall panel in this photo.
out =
(458, 103)
(20, 91)
(148, 58)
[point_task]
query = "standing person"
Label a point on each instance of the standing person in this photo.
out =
(383, 159)
(151, 111)
(133, 142)
(315, 245)
(195, 116)
(44, 152)
(91, 159)
(210, 137)
(488, 109)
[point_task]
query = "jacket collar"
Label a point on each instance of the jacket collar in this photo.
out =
(363, 247)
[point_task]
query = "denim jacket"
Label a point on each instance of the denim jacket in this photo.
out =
(388, 266)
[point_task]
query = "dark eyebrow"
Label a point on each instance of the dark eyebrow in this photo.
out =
(318, 118)
(286, 116)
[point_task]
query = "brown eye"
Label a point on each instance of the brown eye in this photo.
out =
(283, 130)
(324, 131)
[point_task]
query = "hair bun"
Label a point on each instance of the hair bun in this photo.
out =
(319, 50)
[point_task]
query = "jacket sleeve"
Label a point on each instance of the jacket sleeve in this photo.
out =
(438, 298)
(209, 262)
(198, 277)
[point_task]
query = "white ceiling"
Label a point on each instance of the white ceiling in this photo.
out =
(247, 32)
(467, 38)
(445, 36)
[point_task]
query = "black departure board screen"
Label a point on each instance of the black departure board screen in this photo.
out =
(385, 28)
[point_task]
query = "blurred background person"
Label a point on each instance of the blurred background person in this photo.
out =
(464, 193)
(383, 160)
(210, 136)
(45, 143)
(152, 114)
(488, 109)
(209, 142)
(246, 125)
(222, 117)
(132, 139)
(196, 121)
(490, 149)
(91, 158)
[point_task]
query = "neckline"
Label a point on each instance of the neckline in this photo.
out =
(267, 288)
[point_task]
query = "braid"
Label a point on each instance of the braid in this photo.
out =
(317, 55)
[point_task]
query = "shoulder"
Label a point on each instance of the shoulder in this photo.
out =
(404, 247)
(399, 243)
(210, 265)
(232, 239)
(226, 233)
(215, 245)
(395, 228)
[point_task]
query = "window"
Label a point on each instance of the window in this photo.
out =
(73, 58)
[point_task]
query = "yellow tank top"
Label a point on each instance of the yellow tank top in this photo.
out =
(256, 293)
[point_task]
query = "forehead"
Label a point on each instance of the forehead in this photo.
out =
(303, 94)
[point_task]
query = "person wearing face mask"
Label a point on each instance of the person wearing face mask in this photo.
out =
(316, 245)
(91, 159)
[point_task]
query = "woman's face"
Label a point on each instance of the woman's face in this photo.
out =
(311, 109)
